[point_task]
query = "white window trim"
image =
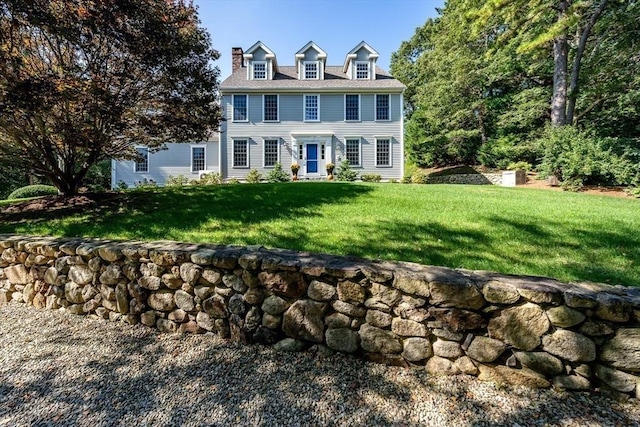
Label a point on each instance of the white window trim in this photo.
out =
(233, 156)
(233, 108)
(359, 138)
(135, 162)
(375, 151)
(205, 157)
(264, 154)
(304, 70)
(355, 70)
(253, 71)
(263, 108)
(304, 107)
(359, 108)
(388, 107)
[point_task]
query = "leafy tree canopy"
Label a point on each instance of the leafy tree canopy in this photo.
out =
(86, 80)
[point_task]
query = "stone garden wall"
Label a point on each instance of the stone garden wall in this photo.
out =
(461, 178)
(532, 331)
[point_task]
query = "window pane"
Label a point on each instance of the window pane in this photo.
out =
(240, 107)
(362, 70)
(352, 108)
(270, 152)
(352, 148)
(259, 70)
(383, 152)
(197, 159)
(311, 108)
(382, 107)
(240, 153)
(271, 107)
(142, 163)
(311, 70)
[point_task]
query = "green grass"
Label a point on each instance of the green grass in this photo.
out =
(511, 230)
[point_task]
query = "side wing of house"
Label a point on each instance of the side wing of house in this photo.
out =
(186, 159)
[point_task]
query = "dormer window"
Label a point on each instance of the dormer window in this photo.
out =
(259, 70)
(362, 70)
(311, 70)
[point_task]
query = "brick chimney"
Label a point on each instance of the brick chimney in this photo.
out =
(236, 58)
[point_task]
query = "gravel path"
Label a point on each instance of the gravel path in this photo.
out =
(61, 369)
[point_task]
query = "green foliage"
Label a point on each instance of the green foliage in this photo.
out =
(501, 152)
(211, 178)
(35, 190)
(233, 181)
(12, 176)
(419, 177)
(122, 185)
(521, 165)
(98, 177)
(253, 177)
(345, 173)
(579, 158)
(177, 181)
(277, 174)
(146, 184)
(79, 80)
(370, 177)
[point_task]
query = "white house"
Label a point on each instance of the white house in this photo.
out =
(308, 113)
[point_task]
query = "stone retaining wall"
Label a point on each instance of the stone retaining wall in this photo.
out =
(532, 331)
(475, 178)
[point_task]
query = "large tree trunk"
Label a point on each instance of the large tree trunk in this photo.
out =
(577, 62)
(560, 60)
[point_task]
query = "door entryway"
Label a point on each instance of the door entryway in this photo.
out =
(312, 158)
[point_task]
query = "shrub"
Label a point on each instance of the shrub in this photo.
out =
(211, 178)
(121, 185)
(579, 158)
(146, 184)
(233, 181)
(98, 176)
(177, 181)
(345, 173)
(253, 177)
(521, 165)
(419, 177)
(393, 181)
(501, 152)
(35, 190)
(370, 177)
(277, 174)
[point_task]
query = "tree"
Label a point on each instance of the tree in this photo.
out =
(87, 80)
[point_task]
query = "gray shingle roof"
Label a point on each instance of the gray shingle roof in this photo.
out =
(286, 79)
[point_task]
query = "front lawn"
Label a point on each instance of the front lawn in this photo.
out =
(511, 230)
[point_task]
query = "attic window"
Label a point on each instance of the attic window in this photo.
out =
(259, 70)
(311, 70)
(362, 71)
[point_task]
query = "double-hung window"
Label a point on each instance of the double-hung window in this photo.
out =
(240, 108)
(259, 70)
(142, 161)
(352, 107)
(382, 107)
(311, 71)
(383, 152)
(240, 153)
(197, 159)
(270, 152)
(362, 71)
(311, 108)
(352, 151)
(270, 108)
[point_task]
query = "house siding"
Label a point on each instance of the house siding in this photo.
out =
(174, 161)
(332, 130)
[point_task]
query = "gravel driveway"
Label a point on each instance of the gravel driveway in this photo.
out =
(61, 369)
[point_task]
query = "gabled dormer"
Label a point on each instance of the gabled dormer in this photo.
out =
(311, 62)
(360, 63)
(260, 62)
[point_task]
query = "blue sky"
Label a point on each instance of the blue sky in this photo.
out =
(336, 26)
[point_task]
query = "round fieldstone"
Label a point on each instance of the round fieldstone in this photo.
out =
(343, 339)
(337, 320)
(350, 292)
(205, 321)
(540, 362)
(623, 350)
(289, 345)
(122, 298)
(484, 349)
(617, 380)
(321, 291)
(234, 282)
(564, 317)
(190, 272)
(521, 326)
(304, 320)
(162, 300)
(440, 366)
(500, 293)
(447, 349)
(274, 305)
(376, 340)
(408, 328)
(184, 300)
(569, 345)
(416, 349)
(377, 318)
(80, 274)
(571, 382)
(465, 365)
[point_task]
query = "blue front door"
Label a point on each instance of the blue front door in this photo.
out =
(312, 158)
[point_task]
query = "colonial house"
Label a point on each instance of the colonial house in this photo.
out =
(309, 113)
